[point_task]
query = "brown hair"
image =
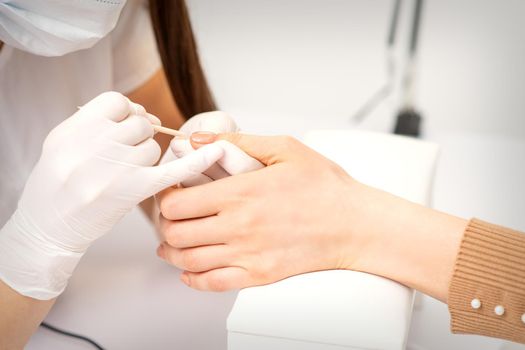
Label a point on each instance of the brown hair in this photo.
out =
(178, 52)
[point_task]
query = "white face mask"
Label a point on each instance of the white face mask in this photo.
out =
(56, 27)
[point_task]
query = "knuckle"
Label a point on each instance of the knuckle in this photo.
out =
(236, 137)
(287, 141)
(167, 205)
(173, 236)
(164, 226)
(172, 257)
(260, 275)
(190, 261)
(145, 125)
(113, 96)
(116, 100)
(245, 225)
(152, 149)
(139, 126)
(232, 137)
(217, 283)
(263, 267)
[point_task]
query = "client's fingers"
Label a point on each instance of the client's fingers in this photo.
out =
(194, 232)
(195, 202)
(218, 280)
(197, 259)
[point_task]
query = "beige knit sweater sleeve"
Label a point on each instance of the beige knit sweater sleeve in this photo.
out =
(487, 290)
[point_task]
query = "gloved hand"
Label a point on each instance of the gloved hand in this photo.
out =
(234, 161)
(94, 168)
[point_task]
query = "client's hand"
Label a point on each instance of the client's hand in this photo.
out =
(259, 227)
(301, 213)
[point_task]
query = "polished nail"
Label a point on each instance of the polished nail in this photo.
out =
(203, 137)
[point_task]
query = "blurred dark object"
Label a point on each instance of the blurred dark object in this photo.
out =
(408, 123)
(408, 120)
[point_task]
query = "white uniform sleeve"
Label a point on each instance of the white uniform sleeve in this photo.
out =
(135, 55)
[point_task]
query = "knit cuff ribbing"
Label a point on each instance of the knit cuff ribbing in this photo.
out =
(490, 267)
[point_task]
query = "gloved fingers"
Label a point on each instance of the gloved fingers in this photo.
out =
(108, 105)
(132, 130)
(179, 170)
(178, 149)
(182, 147)
(216, 121)
(153, 119)
(236, 161)
(167, 156)
(198, 259)
(216, 172)
(137, 109)
(93, 118)
(146, 153)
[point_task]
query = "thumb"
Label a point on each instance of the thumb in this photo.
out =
(266, 149)
(182, 169)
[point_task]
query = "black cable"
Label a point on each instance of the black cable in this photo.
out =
(69, 334)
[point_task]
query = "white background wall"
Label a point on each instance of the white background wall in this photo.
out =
(318, 60)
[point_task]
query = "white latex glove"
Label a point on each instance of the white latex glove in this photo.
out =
(234, 161)
(94, 168)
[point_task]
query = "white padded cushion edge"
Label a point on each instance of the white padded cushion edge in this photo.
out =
(331, 307)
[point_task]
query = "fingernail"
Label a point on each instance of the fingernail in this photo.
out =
(203, 137)
(160, 251)
(185, 279)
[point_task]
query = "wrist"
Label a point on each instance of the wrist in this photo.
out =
(30, 263)
(403, 241)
